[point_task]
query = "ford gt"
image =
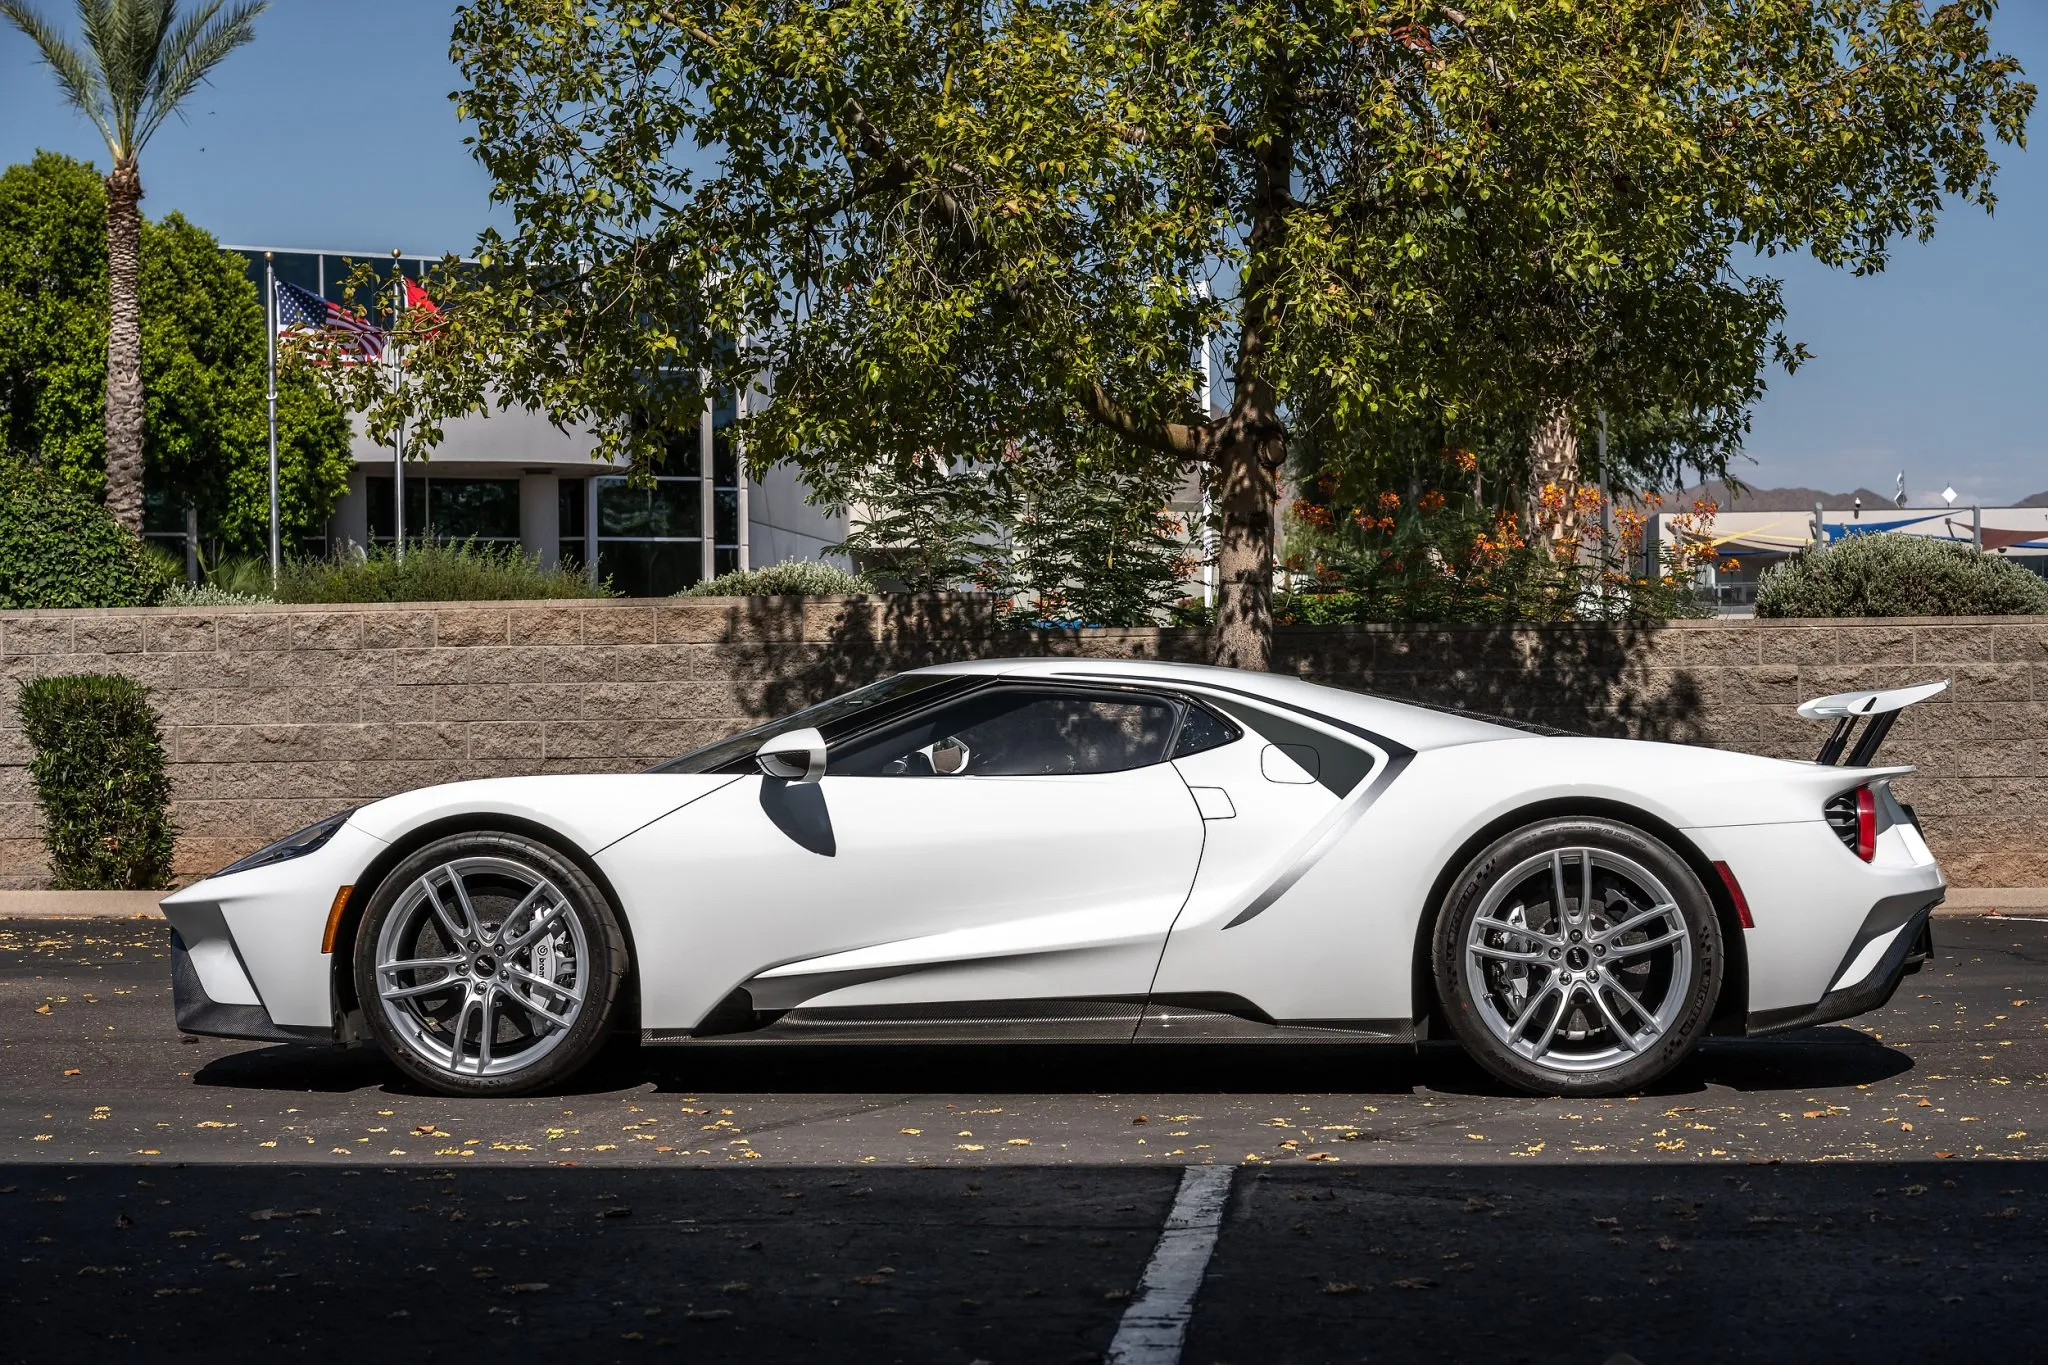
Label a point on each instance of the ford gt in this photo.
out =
(1060, 850)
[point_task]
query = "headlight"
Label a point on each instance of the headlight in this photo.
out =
(292, 845)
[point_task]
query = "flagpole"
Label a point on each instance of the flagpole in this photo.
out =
(270, 314)
(398, 431)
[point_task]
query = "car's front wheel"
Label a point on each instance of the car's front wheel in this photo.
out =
(1578, 956)
(489, 964)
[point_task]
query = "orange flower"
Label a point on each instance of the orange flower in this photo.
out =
(1463, 460)
(1430, 503)
(1390, 502)
(1314, 514)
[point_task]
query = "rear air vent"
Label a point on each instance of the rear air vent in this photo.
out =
(1841, 814)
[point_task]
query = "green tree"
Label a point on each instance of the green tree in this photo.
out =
(1074, 535)
(923, 524)
(202, 360)
(1094, 538)
(139, 62)
(954, 227)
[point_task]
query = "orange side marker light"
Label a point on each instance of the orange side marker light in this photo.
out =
(334, 918)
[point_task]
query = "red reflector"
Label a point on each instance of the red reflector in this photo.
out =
(1735, 894)
(1866, 824)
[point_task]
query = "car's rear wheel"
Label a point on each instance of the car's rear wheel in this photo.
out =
(1578, 956)
(489, 964)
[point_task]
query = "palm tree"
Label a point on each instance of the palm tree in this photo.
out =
(140, 60)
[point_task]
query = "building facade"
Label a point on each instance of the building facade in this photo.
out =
(513, 477)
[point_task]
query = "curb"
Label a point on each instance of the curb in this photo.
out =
(142, 905)
(109, 905)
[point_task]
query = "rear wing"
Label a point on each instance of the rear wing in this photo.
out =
(1846, 708)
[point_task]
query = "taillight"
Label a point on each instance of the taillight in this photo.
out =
(1852, 815)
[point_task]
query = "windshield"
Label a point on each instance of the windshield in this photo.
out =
(832, 717)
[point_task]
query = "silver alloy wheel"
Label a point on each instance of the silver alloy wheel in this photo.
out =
(1579, 959)
(482, 966)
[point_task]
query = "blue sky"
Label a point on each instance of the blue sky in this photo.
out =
(334, 130)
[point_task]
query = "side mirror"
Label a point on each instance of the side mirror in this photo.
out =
(798, 756)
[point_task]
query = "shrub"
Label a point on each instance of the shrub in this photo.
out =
(241, 576)
(464, 572)
(792, 578)
(98, 771)
(1894, 575)
(59, 548)
(208, 595)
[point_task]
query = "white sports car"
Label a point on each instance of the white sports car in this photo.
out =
(1065, 850)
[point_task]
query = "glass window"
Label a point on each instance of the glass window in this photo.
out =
(1200, 732)
(671, 508)
(447, 509)
(570, 506)
(650, 568)
(841, 715)
(725, 469)
(383, 525)
(301, 268)
(725, 516)
(683, 453)
(483, 509)
(1020, 732)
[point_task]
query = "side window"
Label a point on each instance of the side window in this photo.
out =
(1202, 731)
(1018, 732)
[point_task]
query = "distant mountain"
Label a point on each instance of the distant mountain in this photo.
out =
(1782, 499)
(2033, 500)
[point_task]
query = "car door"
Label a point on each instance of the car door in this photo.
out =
(1008, 861)
(1274, 791)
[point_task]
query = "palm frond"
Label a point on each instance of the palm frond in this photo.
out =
(75, 72)
(190, 51)
(127, 37)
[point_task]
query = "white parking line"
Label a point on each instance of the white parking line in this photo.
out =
(1156, 1323)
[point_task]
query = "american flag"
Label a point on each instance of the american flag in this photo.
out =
(301, 310)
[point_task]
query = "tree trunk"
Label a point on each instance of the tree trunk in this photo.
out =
(124, 346)
(1244, 557)
(1554, 478)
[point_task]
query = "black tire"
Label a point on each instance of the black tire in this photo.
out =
(552, 1002)
(1604, 1043)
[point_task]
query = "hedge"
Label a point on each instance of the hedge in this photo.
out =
(1895, 575)
(59, 548)
(98, 771)
(462, 571)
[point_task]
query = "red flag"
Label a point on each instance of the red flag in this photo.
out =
(418, 298)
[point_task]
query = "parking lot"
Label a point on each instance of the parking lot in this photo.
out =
(1853, 1193)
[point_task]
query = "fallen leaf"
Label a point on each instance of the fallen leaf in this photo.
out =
(1340, 1287)
(1415, 1282)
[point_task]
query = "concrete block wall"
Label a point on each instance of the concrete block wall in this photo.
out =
(275, 716)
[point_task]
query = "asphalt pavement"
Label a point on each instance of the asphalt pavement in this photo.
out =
(1866, 1192)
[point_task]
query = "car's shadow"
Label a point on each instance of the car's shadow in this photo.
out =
(1810, 1059)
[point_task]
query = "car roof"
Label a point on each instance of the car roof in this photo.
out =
(1418, 727)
